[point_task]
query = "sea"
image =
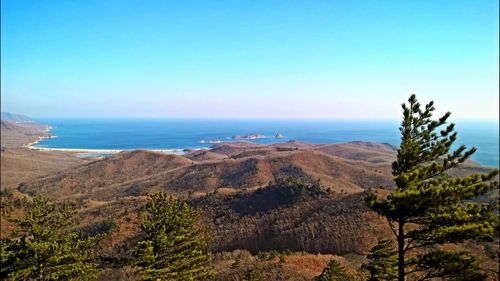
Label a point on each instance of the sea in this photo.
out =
(197, 133)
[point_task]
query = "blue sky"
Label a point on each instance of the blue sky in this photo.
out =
(248, 59)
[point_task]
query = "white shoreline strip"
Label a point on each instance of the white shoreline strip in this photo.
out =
(110, 151)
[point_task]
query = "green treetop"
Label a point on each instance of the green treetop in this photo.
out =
(430, 208)
(334, 271)
(382, 262)
(44, 248)
(175, 246)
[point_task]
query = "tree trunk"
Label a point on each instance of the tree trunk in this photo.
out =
(401, 254)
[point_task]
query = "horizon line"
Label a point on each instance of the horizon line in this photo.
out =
(255, 118)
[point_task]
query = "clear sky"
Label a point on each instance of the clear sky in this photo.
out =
(248, 59)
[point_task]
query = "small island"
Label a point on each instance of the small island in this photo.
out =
(248, 137)
(210, 141)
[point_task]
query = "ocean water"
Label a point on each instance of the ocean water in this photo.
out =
(190, 133)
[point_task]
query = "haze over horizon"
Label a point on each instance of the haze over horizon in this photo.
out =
(258, 59)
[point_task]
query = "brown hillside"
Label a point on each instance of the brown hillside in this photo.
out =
(140, 172)
(257, 170)
(104, 173)
(295, 266)
(293, 144)
(19, 164)
(15, 135)
(204, 155)
(233, 148)
(362, 151)
(357, 167)
(279, 217)
(274, 220)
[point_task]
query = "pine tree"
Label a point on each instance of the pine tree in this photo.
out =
(430, 208)
(459, 266)
(334, 271)
(175, 246)
(44, 249)
(382, 262)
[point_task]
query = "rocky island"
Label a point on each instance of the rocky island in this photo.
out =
(211, 141)
(253, 136)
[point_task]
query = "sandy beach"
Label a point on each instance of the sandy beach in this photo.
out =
(104, 151)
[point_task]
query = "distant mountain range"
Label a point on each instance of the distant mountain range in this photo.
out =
(16, 118)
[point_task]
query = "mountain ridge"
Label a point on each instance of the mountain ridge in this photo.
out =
(16, 118)
(139, 172)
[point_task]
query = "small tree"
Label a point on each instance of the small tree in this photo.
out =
(334, 271)
(382, 262)
(175, 244)
(428, 207)
(44, 249)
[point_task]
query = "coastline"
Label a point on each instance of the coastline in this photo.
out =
(104, 151)
(46, 135)
(32, 146)
(203, 137)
